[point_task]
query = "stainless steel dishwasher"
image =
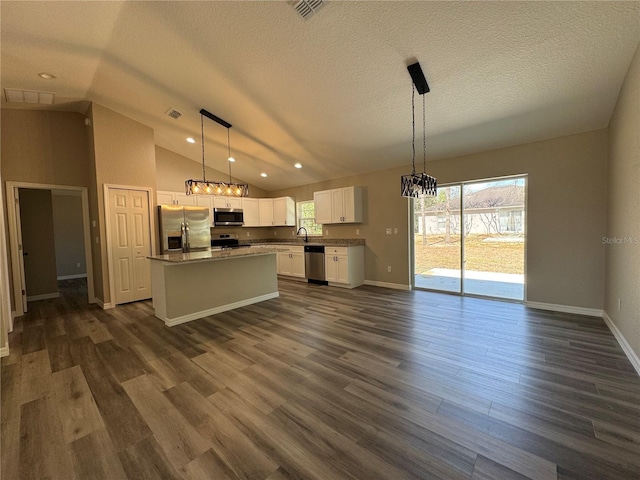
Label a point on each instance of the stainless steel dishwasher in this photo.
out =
(314, 264)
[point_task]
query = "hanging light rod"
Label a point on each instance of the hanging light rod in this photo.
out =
(418, 184)
(418, 78)
(215, 187)
(216, 118)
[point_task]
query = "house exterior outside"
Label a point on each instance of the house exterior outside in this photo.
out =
(489, 211)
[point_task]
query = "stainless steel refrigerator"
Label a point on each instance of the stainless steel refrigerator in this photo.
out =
(184, 229)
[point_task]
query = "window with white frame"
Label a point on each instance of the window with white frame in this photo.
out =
(306, 218)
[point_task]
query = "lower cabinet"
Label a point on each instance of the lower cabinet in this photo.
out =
(344, 266)
(291, 262)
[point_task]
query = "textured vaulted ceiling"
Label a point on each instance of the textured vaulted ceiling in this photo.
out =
(331, 92)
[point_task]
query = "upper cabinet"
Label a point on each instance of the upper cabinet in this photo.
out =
(266, 211)
(277, 212)
(284, 212)
(258, 212)
(251, 212)
(339, 205)
(175, 198)
(220, 201)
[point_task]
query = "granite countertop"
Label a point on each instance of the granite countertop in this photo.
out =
(328, 242)
(215, 254)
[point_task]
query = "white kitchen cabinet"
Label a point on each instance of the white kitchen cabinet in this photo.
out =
(251, 212)
(222, 201)
(337, 268)
(164, 198)
(344, 266)
(175, 198)
(265, 206)
(284, 212)
(290, 262)
(322, 206)
(339, 205)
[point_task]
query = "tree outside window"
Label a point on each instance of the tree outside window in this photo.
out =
(306, 218)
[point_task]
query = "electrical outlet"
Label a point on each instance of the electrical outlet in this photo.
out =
(97, 239)
(93, 224)
(388, 231)
(395, 231)
(389, 268)
(248, 234)
(357, 231)
(77, 264)
(326, 232)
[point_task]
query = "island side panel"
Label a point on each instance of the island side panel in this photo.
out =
(158, 289)
(198, 289)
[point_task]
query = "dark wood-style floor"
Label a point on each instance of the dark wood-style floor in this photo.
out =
(322, 383)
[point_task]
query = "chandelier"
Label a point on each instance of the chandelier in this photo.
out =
(209, 187)
(418, 184)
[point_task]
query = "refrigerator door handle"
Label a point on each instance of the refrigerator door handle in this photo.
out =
(186, 228)
(183, 235)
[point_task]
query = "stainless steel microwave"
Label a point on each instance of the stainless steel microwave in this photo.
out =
(228, 217)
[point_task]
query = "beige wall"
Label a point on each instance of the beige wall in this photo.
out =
(623, 212)
(123, 154)
(68, 234)
(566, 214)
(5, 287)
(42, 147)
(36, 220)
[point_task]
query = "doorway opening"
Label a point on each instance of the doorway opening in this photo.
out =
(470, 239)
(71, 207)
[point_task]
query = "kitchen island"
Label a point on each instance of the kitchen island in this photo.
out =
(188, 286)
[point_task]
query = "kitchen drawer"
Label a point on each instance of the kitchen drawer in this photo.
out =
(336, 250)
(292, 249)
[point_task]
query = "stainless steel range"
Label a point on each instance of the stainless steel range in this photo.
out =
(226, 240)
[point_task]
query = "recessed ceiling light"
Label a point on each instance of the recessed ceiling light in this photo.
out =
(231, 159)
(46, 76)
(263, 174)
(191, 140)
(298, 165)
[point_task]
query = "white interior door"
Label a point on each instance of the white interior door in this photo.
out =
(141, 244)
(130, 244)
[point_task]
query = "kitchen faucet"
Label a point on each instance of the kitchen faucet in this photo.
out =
(306, 237)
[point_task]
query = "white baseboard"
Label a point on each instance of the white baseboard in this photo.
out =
(223, 308)
(102, 305)
(631, 355)
(44, 296)
(71, 277)
(395, 286)
(591, 312)
(4, 351)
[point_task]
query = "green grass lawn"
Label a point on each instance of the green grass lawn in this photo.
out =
(480, 255)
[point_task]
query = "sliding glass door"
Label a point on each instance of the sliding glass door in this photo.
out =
(470, 239)
(437, 234)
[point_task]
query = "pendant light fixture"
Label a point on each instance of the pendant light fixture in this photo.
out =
(207, 187)
(416, 185)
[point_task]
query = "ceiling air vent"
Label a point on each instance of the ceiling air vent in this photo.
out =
(306, 8)
(28, 96)
(173, 113)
